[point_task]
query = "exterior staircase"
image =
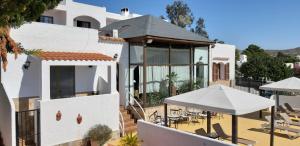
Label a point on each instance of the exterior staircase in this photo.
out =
(129, 123)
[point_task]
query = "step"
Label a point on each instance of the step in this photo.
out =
(130, 129)
(129, 123)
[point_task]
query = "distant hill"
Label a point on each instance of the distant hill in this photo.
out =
(295, 51)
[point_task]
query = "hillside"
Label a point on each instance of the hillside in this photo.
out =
(295, 51)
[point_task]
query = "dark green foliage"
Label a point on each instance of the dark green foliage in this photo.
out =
(254, 51)
(266, 68)
(180, 14)
(14, 13)
(287, 58)
(99, 133)
(200, 28)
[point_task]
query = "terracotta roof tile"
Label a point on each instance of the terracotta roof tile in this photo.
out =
(74, 56)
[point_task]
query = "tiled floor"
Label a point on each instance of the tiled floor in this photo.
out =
(249, 126)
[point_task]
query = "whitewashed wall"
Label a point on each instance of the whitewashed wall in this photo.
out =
(104, 76)
(99, 109)
(223, 50)
(121, 49)
(20, 82)
(7, 119)
(155, 135)
(52, 37)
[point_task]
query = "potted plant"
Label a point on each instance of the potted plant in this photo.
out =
(98, 135)
(129, 140)
(172, 78)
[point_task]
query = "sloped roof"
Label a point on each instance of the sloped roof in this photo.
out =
(152, 26)
(290, 85)
(74, 56)
(223, 99)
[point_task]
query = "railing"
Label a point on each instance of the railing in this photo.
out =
(121, 124)
(139, 106)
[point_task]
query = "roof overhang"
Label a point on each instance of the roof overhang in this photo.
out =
(170, 40)
(73, 56)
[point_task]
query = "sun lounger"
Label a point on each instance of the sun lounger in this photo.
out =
(283, 110)
(288, 121)
(201, 132)
(284, 128)
(290, 108)
(219, 130)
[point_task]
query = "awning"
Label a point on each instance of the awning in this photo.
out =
(290, 84)
(223, 99)
(74, 56)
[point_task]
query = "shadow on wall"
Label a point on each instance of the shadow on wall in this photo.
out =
(29, 86)
(103, 86)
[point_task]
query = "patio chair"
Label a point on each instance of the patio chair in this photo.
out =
(290, 108)
(284, 128)
(156, 119)
(201, 132)
(288, 121)
(283, 110)
(219, 130)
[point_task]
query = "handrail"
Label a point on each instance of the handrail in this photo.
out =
(121, 124)
(139, 105)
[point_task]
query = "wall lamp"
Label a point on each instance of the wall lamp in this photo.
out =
(115, 57)
(149, 41)
(27, 65)
(90, 66)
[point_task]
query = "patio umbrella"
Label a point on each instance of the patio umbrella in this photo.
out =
(290, 85)
(223, 99)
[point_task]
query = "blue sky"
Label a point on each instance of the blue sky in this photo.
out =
(271, 24)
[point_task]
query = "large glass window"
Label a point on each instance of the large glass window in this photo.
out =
(200, 76)
(183, 79)
(136, 54)
(170, 71)
(157, 84)
(201, 55)
(180, 56)
(157, 55)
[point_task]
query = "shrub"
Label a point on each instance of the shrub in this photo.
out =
(130, 140)
(99, 133)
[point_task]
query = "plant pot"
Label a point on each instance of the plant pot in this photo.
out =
(173, 90)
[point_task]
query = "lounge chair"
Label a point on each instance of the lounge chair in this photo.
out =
(219, 130)
(288, 121)
(284, 128)
(201, 132)
(290, 108)
(283, 110)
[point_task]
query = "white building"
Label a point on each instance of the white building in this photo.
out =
(84, 74)
(222, 64)
(56, 96)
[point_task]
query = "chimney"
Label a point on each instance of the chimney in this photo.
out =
(125, 12)
(115, 33)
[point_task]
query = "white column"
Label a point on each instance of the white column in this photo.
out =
(45, 81)
(113, 79)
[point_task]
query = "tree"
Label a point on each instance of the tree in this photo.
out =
(15, 13)
(266, 68)
(180, 14)
(200, 28)
(254, 51)
(287, 58)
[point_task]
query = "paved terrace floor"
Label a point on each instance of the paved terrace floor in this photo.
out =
(249, 127)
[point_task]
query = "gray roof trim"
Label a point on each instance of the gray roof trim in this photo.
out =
(151, 26)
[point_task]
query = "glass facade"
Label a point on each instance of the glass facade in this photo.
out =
(170, 70)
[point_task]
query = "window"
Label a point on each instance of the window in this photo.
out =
(62, 82)
(84, 24)
(46, 19)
